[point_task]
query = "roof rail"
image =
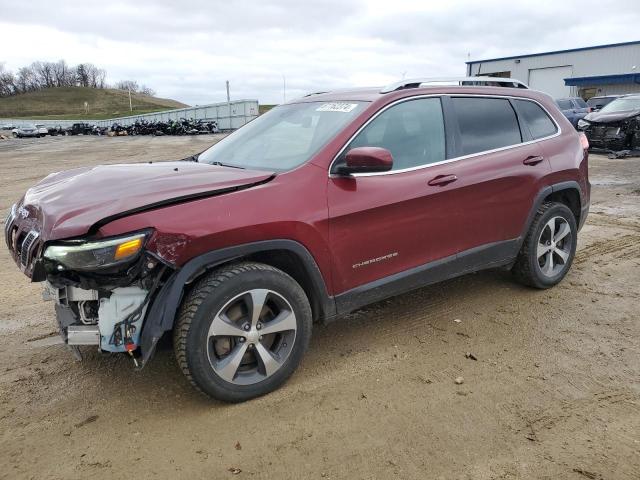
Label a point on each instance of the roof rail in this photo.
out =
(460, 81)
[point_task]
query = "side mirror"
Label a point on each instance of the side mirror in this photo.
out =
(366, 160)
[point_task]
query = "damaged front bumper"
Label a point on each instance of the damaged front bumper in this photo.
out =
(112, 321)
(102, 287)
(614, 136)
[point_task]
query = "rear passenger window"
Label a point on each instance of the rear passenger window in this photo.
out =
(413, 131)
(538, 121)
(486, 124)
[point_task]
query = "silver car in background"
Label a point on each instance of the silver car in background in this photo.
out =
(26, 131)
(42, 130)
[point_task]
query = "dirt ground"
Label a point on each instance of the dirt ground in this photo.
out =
(554, 392)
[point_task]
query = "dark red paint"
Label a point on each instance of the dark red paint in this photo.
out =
(409, 218)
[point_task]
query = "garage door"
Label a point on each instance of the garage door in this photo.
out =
(551, 80)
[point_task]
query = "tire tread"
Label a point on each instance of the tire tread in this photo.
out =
(194, 299)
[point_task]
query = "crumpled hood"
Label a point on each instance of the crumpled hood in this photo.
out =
(66, 204)
(609, 117)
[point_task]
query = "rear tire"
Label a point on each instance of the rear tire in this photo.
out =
(549, 247)
(231, 353)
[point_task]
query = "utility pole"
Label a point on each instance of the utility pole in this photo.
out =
(284, 89)
(130, 106)
(229, 103)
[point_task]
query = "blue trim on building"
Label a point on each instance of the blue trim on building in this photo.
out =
(595, 47)
(603, 80)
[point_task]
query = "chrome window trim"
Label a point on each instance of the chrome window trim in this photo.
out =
(448, 160)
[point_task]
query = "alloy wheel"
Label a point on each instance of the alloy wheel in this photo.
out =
(554, 246)
(251, 336)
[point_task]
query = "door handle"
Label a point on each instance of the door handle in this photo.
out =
(533, 160)
(442, 180)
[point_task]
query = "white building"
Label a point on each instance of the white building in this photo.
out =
(585, 72)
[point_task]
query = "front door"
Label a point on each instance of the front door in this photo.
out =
(384, 224)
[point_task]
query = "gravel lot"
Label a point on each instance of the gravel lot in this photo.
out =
(554, 393)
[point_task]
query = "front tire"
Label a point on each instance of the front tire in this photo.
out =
(549, 247)
(242, 331)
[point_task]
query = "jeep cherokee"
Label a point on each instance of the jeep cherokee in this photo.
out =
(315, 209)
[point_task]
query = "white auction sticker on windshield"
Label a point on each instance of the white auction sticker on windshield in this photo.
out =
(336, 107)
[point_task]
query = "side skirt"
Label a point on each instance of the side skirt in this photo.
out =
(492, 255)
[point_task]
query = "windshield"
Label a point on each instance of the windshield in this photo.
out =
(622, 105)
(283, 138)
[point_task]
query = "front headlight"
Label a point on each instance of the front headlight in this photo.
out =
(582, 124)
(96, 254)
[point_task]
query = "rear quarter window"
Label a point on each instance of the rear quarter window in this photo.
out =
(486, 124)
(536, 119)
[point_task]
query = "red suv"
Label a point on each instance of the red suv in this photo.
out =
(317, 208)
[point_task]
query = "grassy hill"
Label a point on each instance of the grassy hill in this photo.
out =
(264, 108)
(68, 103)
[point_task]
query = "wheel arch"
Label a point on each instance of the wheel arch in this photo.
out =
(287, 255)
(569, 193)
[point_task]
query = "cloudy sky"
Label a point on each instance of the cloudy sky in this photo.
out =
(187, 49)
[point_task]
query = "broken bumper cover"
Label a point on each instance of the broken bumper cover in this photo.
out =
(613, 136)
(112, 322)
(606, 137)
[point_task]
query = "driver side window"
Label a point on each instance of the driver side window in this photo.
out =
(413, 131)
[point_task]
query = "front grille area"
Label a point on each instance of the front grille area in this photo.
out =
(23, 240)
(604, 131)
(28, 247)
(8, 223)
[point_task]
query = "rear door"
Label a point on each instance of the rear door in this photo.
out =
(383, 224)
(500, 171)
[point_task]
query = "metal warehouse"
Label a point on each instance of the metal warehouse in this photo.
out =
(584, 72)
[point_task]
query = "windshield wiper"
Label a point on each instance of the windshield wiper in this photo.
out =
(192, 158)
(220, 164)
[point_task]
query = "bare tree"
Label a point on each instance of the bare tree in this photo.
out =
(145, 90)
(41, 75)
(128, 85)
(26, 80)
(7, 82)
(62, 74)
(43, 72)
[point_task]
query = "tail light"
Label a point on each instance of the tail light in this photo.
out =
(584, 142)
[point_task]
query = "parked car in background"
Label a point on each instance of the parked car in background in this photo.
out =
(7, 126)
(56, 130)
(574, 108)
(596, 103)
(25, 131)
(79, 129)
(399, 187)
(42, 130)
(616, 126)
